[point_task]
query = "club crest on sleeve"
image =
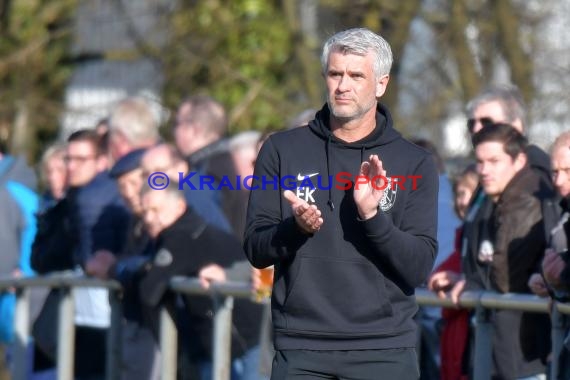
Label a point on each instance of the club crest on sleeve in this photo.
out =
(163, 258)
(389, 198)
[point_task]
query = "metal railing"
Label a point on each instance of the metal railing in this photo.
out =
(65, 282)
(223, 296)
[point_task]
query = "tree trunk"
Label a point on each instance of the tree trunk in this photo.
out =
(304, 46)
(469, 79)
(508, 39)
(399, 33)
(21, 141)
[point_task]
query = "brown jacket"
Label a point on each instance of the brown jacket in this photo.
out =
(517, 228)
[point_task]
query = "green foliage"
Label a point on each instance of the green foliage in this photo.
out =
(34, 45)
(239, 52)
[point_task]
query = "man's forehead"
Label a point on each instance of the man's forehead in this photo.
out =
(184, 111)
(80, 146)
(156, 158)
(561, 156)
(489, 149)
(492, 109)
(340, 58)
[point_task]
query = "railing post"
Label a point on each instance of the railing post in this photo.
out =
(223, 308)
(168, 345)
(483, 344)
(66, 335)
(21, 332)
(558, 322)
(114, 336)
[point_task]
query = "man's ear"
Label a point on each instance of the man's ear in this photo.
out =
(181, 167)
(181, 205)
(381, 85)
(103, 163)
(520, 161)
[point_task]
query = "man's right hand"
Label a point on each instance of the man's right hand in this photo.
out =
(440, 282)
(308, 217)
(211, 273)
(99, 265)
(552, 267)
(537, 285)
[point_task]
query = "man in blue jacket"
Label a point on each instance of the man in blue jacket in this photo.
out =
(99, 220)
(353, 233)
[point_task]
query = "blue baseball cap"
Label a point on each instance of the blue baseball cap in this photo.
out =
(127, 163)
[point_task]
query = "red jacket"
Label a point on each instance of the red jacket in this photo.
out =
(455, 332)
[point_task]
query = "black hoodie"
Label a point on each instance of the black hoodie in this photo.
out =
(350, 286)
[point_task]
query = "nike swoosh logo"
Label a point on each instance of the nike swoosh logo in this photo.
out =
(301, 177)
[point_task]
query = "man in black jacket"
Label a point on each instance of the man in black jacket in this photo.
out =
(555, 266)
(349, 246)
(186, 245)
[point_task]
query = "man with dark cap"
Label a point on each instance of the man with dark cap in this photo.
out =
(141, 358)
(140, 354)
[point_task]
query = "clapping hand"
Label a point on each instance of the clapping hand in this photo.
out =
(367, 195)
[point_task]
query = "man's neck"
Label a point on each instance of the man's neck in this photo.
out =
(355, 129)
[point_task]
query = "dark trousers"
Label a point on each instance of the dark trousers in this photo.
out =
(90, 352)
(393, 364)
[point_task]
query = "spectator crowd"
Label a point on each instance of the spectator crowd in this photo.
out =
(503, 227)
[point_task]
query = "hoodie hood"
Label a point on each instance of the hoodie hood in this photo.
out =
(384, 132)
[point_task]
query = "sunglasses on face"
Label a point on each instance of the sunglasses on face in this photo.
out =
(485, 122)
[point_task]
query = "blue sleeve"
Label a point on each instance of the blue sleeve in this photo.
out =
(202, 201)
(447, 221)
(102, 222)
(28, 202)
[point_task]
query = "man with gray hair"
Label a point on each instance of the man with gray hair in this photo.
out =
(504, 104)
(132, 125)
(348, 252)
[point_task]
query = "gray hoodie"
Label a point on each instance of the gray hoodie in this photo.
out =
(18, 204)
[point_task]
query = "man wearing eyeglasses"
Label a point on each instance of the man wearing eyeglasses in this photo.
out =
(99, 220)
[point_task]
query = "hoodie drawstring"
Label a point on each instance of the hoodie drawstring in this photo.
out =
(327, 150)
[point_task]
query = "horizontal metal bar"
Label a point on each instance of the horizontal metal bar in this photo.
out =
(563, 308)
(489, 300)
(512, 301)
(190, 286)
(57, 280)
(468, 300)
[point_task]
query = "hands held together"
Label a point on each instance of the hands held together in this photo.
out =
(367, 196)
